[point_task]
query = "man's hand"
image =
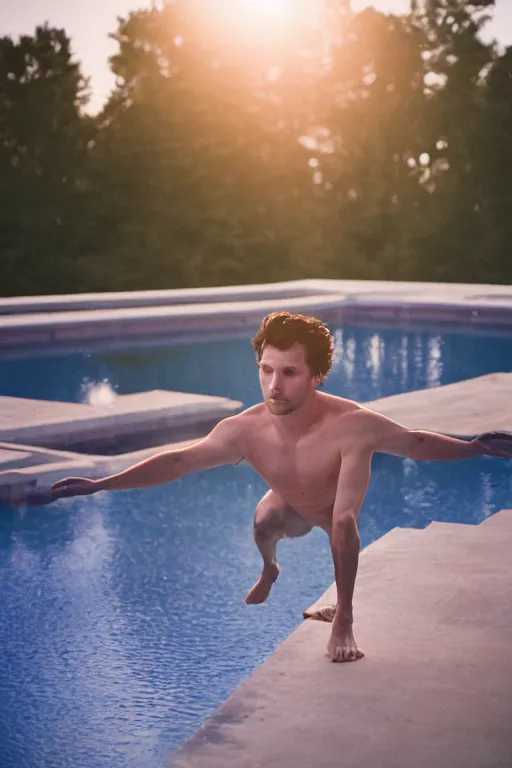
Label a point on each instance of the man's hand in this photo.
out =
(74, 486)
(495, 444)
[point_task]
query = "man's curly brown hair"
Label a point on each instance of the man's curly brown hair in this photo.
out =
(283, 329)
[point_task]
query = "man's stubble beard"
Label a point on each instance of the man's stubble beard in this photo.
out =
(283, 408)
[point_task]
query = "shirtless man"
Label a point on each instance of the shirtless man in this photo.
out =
(312, 449)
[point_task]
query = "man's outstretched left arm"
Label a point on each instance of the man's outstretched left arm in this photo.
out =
(387, 436)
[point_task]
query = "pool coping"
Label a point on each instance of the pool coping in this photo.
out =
(29, 322)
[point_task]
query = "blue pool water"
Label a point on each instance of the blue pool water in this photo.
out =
(370, 364)
(122, 620)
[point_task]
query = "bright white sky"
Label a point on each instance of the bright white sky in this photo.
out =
(88, 22)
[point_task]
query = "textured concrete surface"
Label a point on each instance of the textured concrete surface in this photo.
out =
(432, 613)
(33, 433)
(61, 425)
(352, 290)
(465, 408)
(42, 467)
(149, 322)
(11, 457)
(116, 300)
(122, 318)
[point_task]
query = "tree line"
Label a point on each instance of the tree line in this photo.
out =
(366, 146)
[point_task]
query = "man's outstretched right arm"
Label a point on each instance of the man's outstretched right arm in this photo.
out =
(221, 446)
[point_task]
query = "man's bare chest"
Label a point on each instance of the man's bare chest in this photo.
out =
(308, 467)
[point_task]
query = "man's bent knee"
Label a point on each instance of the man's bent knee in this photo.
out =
(279, 521)
(269, 520)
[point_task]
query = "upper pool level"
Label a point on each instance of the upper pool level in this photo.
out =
(120, 318)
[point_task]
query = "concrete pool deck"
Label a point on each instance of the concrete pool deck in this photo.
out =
(64, 425)
(432, 613)
(42, 440)
(43, 324)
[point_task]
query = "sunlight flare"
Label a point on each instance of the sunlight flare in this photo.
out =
(257, 21)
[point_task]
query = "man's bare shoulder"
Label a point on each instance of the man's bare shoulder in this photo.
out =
(339, 406)
(246, 420)
(359, 427)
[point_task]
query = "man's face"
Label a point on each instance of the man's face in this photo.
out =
(285, 378)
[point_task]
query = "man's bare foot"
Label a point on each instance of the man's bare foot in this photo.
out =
(342, 646)
(324, 613)
(261, 590)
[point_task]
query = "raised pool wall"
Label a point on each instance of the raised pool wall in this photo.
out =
(117, 319)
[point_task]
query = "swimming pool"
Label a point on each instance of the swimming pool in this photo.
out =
(122, 621)
(370, 363)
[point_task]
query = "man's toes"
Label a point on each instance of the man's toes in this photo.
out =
(324, 613)
(337, 653)
(253, 598)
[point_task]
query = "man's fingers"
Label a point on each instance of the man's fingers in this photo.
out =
(73, 486)
(69, 490)
(500, 454)
(496, 444)
(64, 483)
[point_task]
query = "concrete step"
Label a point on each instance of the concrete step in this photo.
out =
(431, 612)
(460, 537)
(429, 571)
(395, 538)
(454, 409)
(502, 520)
(108, 427)
(481, 531)
(465, 547)
(395, 541)
(495, 529)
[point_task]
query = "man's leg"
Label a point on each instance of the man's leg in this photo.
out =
(274, 520)
(323, 612)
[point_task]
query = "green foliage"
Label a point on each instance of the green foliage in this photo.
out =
(348, 145)
(43, 152)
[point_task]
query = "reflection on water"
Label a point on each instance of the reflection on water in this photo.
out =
(369, 363)
(435, 362)
(97, 394)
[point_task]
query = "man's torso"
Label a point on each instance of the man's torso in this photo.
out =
(302, 469)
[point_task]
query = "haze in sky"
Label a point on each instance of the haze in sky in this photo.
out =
(88, 23)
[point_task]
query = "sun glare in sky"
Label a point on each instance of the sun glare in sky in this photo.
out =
(257, 20)
(260, 23)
